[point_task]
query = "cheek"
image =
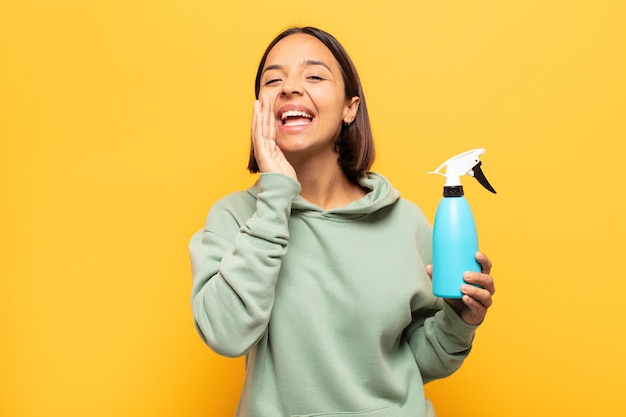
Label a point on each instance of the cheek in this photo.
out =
(271, 93)
(331, 105)
(334, 114)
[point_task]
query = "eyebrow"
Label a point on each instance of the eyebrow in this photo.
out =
(306, 63)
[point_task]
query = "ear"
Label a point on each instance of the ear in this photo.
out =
(350, 110)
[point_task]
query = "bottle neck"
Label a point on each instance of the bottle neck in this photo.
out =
(453, 191)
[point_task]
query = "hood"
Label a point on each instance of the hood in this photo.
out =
(381, 195)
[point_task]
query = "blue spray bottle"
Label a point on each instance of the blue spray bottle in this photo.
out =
(455, 241)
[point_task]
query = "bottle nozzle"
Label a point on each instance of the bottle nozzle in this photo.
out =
(462, 164)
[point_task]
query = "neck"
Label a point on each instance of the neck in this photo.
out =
(324, 184)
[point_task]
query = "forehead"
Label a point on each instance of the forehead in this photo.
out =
(299, 49)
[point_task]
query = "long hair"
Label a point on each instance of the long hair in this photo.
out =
(355, 142)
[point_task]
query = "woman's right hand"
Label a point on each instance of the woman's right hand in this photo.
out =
(269, 157)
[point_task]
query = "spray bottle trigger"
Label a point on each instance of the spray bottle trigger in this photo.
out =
(477, 173)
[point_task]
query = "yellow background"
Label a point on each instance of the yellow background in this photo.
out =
(122, 121)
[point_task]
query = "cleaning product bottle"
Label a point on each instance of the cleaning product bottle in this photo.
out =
(455, 241)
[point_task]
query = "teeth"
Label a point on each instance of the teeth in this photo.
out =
(297, 123)
(295, 113)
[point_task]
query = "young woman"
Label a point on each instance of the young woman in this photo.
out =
(320, 272)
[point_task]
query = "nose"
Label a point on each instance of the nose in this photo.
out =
(292, 85)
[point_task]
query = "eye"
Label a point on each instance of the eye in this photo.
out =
(272, 81)
(314, 78)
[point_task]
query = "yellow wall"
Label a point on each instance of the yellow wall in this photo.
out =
(122, 121)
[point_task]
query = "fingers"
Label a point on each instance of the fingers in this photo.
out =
(268, 155)
(482, 280)
(477, 301)
(256, 126)
(269, 121)
(485, 263)
(263, 122)
(477, 294)
(478, 291)
(475, 312)
(263, 132)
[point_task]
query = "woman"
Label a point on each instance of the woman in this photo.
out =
(320, 272)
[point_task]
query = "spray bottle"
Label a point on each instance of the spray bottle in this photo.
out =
(455, 241)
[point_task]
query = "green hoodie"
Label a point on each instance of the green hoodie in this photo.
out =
(332, 308)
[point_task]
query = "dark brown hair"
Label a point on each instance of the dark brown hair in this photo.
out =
(355, 142)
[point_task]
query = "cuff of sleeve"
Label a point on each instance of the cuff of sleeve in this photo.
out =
(276, 181)
(274, 194)
(454, 334)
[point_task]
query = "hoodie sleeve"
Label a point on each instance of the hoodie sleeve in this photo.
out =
(440, 341)
(235, 268)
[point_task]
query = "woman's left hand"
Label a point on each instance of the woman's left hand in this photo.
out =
(472, 308)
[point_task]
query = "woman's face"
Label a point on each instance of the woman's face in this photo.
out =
(303, 80)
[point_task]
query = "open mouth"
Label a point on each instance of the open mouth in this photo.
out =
(295, 118)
